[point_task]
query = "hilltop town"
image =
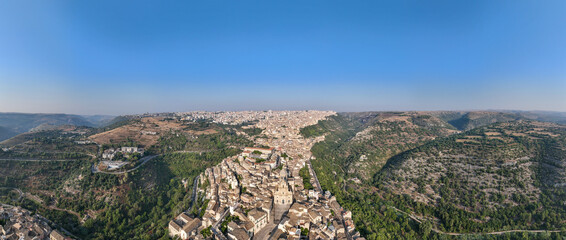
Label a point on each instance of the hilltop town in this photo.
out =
(19, 223)
(261, 175)
(261, 193)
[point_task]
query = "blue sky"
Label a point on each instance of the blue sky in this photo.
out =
(122, 57)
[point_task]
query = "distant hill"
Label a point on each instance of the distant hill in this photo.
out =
(6, 133)
(16, 123)
(470, 120)
(100, 120)
(544, 116)
(23, 122)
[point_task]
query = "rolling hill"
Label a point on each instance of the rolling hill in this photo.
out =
(6, 133)
(23, 122)
(134, 205)
(455, 172)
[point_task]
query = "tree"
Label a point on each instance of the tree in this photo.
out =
(304, 231)
(425, 227)
(206, 232)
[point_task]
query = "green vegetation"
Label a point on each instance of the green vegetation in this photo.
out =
(191, 164)
(200, 207)
(38, 175)
(494, 177)
(136, 205)
(44, 155)
(227, 220)
(206, 232)
(23, 122)
(304, 231)
(472, 120)
(304, 173)
(159, 196)
(252, 131)
(116, 123)
(413, 150)
(318, 129)
(177, 141)
(260, 160)
(278, 168)
(49, 144)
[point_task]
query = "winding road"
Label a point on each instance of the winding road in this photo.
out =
(17, 189)
(37, 160)
(142, 160)
(194, 193)
(478, 233)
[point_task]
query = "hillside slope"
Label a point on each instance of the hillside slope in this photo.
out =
(23, 122)
(362, 142)
(502, 174)
(504, 160)
(470, 120)
(6, 133)
(134, 205)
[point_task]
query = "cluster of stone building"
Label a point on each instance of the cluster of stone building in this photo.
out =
(266, 197)
(263, 190)
(111, 152)
(19, 223)
(110, 162)
(235, 118)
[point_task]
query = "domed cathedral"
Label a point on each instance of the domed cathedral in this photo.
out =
(283, 195)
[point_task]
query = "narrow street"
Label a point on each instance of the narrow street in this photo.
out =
(334, 206)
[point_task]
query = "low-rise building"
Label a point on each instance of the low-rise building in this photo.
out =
(184, 226)
(258, 218)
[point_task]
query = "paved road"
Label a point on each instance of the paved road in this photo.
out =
(66, 210)
(18, 190)
(334, 206)
(186, 151)
(215, 229)
(265, 232)
(479, 233)
(313, 173)
(37, 160)
(143, 161)
(218, 234)
(278, 213)
(193, 195)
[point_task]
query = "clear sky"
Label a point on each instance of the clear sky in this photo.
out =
(122, 57)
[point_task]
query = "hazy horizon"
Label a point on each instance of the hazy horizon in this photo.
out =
(109, 58)
(243, 110)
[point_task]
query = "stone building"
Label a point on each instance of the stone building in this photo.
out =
(283, 195)
(184, 226)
